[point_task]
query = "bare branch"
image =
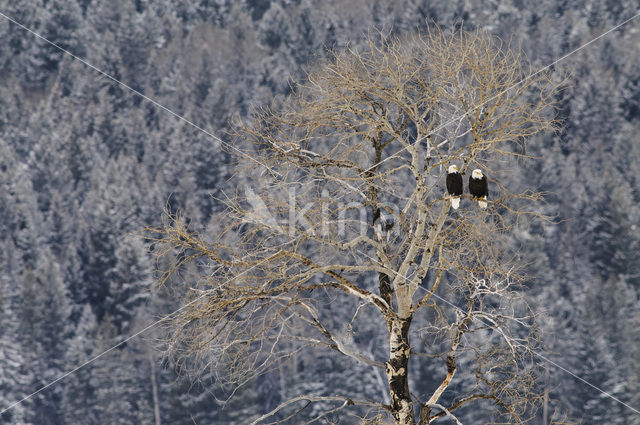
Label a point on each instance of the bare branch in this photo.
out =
(357, 209)
(346, 402)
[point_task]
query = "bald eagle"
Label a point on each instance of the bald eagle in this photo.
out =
(454, 186)
(478, 187)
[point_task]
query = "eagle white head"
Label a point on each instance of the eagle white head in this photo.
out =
(477, 173)
(453, 168)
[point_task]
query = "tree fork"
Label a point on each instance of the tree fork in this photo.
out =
(397, 371)
(325, 140)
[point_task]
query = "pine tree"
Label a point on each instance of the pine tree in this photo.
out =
(43, 314)
(63, 27)
(111, 208)
(121, 379)
(613, 233)
(129, 283)
(14, 375)
(79, 393)
(596, 363)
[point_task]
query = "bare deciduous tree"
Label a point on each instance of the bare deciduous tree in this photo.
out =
(353, 204)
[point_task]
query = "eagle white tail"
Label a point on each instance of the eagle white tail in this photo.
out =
(455, 203)
(482, 203)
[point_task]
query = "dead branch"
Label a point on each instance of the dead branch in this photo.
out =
(354, 208)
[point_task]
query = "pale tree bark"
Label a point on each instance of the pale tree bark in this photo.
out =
(397, 370)
(353, 205)
(154, 389)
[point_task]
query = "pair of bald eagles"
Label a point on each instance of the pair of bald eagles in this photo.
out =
(478, 186)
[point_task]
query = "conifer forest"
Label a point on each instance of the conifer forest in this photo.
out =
(145, 132)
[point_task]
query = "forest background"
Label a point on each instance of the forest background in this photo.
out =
(84, 162)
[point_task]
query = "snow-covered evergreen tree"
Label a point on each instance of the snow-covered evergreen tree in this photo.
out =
(83, 162)
(129, 284)
(14, 375)
(79, 389)
(43, 325)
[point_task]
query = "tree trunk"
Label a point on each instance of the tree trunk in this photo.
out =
(385, 287)
(545, 402)
(397, 370)
(154, 389)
